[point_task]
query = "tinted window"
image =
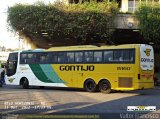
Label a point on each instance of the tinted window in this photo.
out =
(118, 55)
(78, 57)
(98, 56)
(88, 56)
(23, 58)
(33, 58)
(124, 56)
(44, 58)
(11, 68)
(70, 57)
(61, 57)
(13, 56)
(53, 57)
(29, 58)
(108, 56)
(132, 55)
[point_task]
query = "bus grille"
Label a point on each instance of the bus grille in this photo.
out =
(125, 82)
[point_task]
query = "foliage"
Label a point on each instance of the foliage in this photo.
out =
(149, 16)
(80, 23)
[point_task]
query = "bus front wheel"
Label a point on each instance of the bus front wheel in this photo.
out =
(25, 83)
(90, 85)
(105, 86)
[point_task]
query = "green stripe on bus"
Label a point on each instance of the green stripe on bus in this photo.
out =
(50, 73)
(38, 72)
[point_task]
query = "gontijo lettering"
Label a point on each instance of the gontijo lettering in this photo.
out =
(76, 68)
(147, 60)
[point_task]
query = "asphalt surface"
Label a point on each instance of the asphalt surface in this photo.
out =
(19, 103)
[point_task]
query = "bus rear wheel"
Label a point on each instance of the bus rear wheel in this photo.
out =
(25, 83)
(105, 86)
(90, 85)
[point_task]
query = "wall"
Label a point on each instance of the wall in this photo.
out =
(126, 21)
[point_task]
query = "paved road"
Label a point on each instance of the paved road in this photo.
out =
(14, 100)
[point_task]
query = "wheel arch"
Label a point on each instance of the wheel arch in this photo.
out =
(22, 80)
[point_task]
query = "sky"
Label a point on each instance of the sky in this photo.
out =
(7, 38)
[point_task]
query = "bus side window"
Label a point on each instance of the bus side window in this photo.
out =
(88, 56)
(61, 57)
(131, 55)
(98, 56)
(108, 56)
(70, 57)
(110, 59)
(121, 59)
(23, 58)
(32, 58)
(35, 58)
(125, 55)
(118, 54)
(44, 58)
(131, 59)
(78, 57)
(53, 57)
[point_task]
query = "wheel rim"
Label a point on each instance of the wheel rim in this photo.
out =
(104, 86)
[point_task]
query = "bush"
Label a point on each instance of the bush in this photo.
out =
(83, 23)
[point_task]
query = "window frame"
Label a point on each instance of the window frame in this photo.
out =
(50, 53)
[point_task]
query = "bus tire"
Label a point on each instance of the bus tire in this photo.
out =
(90, 85)
(25, 83)
(104, 86)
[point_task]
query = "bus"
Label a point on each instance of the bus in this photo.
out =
(94, 68)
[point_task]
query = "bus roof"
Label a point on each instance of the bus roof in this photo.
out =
(35, 50)
(91, 47)
(82, 47)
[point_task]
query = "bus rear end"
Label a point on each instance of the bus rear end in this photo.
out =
(146, 70)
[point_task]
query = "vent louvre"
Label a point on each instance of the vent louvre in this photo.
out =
(126, 82)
